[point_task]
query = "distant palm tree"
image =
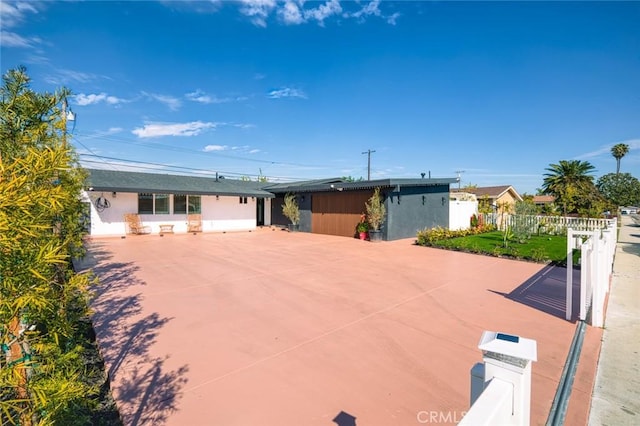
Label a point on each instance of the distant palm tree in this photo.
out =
(618, 151)
(568, 181)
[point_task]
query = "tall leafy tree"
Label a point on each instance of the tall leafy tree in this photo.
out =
(619, 189)
(618, 151)
(571, 182)
(41, 299)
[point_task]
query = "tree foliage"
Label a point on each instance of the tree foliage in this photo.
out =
(619, 189)
(618, 151)
(41, 299)
(571, 182)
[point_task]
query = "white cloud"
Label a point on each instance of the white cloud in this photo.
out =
(217, 148)
(210, 148)
(93, 99)
(322, 12)
(10, 39)
(257, 10)
(287, 92)
(371, 8)
(199, 96)
(290, 13)
(392, 19)
(203, 98)
(153, 130)
(172, 103)
(13, 13)
(64, 77)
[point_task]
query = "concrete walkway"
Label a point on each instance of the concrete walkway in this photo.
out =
(616, 395)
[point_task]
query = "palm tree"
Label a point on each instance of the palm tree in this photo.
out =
(570, 182)
(618, 151)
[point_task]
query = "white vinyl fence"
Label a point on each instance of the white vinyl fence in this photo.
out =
(546, 224)
(597, 250)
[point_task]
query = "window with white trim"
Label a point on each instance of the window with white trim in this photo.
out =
(186, 204)
(153, 203)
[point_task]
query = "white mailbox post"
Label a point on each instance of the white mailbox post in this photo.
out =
(508, 358)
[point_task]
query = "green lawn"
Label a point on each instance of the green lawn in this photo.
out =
(539, 248)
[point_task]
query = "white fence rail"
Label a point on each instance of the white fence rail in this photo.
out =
(493, 407)
(597, 250)
(546, 224)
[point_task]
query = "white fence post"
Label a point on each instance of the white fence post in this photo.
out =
(596, 266)
(506, 398)
(569, 290)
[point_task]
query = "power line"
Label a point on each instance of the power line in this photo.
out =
(146, 165)
(159, 146)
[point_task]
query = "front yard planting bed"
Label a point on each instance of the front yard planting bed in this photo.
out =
(537, 248)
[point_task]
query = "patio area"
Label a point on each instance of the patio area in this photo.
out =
(278, 328)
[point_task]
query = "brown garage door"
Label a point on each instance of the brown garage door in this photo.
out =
(337, 213)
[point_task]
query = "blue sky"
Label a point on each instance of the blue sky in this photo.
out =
(299, 89)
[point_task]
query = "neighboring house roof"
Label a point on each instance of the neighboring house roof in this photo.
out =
(492, 192)
(543, 199)
(121, 181)
(340, 185)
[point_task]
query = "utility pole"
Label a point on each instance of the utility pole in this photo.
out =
(67, 115)
(459, 179)
(369, 152)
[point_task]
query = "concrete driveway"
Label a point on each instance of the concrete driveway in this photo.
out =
(278, 328)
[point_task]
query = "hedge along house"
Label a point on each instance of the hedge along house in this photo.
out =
(334, 207)
(224, 204)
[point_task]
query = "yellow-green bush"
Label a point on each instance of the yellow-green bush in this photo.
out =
(428, 236)
(41, 299)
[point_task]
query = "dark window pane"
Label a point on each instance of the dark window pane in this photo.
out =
(180, 204)
(162, 203)
(145, 203)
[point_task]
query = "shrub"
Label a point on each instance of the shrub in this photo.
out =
(376, 210)
(539, 254)
(428, 236)
(474, 221)
(290, 209)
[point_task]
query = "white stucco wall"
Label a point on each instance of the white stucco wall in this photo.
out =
(460, 213)
(110, 221)
(224, 214)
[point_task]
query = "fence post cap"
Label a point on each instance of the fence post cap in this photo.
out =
(510, 348)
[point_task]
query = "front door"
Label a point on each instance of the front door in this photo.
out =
(260, 212)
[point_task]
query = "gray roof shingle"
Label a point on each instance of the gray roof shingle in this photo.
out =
(121, 181)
